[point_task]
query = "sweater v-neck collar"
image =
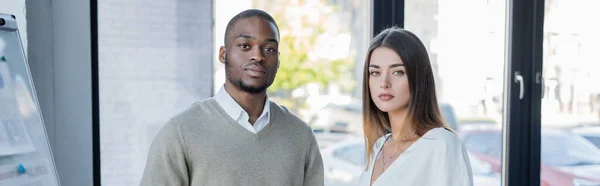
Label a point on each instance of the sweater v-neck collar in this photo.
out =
(273, 120)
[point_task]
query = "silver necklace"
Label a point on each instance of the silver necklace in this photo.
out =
(383, 154)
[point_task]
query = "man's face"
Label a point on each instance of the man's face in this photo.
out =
(251, 56)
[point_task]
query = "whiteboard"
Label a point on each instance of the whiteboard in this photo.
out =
(25, 154)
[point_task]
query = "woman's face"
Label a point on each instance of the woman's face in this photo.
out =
(388, 82)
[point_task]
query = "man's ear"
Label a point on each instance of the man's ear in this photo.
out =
(278, 61)
(222, 54)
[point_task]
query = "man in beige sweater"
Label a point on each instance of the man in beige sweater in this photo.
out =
(238, 137)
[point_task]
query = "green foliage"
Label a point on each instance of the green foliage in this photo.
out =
(298, 38)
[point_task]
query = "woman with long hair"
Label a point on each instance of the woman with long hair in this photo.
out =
(406, 139)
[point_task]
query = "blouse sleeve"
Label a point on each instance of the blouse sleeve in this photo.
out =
(454, 165)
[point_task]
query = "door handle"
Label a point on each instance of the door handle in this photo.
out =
(540, 80)
(519, 79)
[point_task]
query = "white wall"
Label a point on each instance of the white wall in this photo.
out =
(60, 61)
(155, 60)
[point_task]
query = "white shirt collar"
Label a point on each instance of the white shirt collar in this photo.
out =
(233, 109)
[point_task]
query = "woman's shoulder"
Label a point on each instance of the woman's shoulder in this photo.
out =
(442, 136)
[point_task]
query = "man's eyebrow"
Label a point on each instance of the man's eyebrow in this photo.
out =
(272, 40)
(245, 36)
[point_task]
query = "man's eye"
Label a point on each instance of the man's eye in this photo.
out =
(244, 46)
(270, 49)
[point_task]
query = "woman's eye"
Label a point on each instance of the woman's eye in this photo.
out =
(398, 73)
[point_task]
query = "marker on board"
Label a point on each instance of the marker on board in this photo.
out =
(1, 81)
(2, 59)
(21, 169)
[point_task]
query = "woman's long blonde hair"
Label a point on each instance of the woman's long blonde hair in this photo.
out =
(423, 111)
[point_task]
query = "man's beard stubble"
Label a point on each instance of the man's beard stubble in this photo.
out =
(240, 84)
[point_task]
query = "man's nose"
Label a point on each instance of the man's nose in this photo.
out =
(257, 55)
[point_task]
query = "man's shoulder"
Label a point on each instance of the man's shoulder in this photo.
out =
(196, 111)
(289, 117)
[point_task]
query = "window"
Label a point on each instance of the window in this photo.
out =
(460, 35)
(485, 143)
(354, 154)
(570, 102)
(594, 140)
(561, 149)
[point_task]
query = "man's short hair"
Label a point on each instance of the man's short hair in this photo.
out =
(250, 13)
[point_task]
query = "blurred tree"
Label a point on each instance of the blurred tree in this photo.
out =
(301, 22)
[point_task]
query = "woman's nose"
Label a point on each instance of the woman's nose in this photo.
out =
(384, 84)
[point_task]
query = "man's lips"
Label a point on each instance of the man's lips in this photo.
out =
(255, 70)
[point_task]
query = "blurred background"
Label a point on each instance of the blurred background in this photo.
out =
(155, 58)
(151, 72)
(322, 53)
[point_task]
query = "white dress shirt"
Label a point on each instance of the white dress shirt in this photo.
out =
(438, 158)
(237, 113)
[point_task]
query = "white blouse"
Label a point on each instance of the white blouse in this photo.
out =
(438, 158)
